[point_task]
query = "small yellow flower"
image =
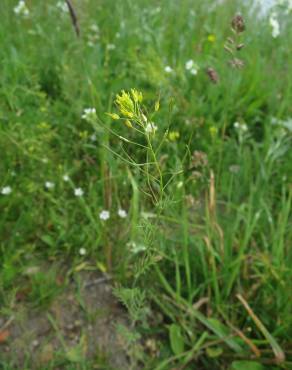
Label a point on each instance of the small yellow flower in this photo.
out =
(137, 96)
(125, 104)
(44, 125)
(114, 116)
(128, 123)
(213, 131)
(83, 134)
(211, 38)
(173, 135)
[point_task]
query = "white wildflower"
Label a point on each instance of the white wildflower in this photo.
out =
(94, 27)
(168, 69)
(189, 64)
(150, 128)
(66, 178)
(6, 190)
(234, 168)
(194, 71)
(61, 5)
(82, 251)
(136, 248)
(111, 46)
(49, 185)
(93, 138)
(192, 67)
(21, 9)
(89, 114)
(104, 215)
(122, 213)
(241, 127)
(78, 192)
(274, 23)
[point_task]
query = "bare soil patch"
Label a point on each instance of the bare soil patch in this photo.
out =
(80, 324)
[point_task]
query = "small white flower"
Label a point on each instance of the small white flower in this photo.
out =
(78, 192)
(94, 27)
(189, 64)
(61, 5)
(192, 67)
(150, 128)
(234, 168)
(82, 251)
(122, 213)
(136, 248)
(111, 46)
(6, 190)
(104, 215)
(21, 9)
(49, 185)
(89, 114)
(275, 25)
(168, 69)
(66, 178)
(194, 71)
(93, 138)
(242, 127)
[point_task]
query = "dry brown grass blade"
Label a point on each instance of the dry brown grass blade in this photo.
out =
(212, 212)
(73, 16)
(279, 353)
(251, 345)
(212, 197)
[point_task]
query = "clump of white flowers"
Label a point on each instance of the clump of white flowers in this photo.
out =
(61, 5)
(89, 114)
(192, 67)
(93, 35)
(104, 215)
(241, 127)
(78, 192)
(275, 25)
(122, 213)
(6, 190)
(21, 9)
(111, 47)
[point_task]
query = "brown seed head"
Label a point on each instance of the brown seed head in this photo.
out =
(238, 24)
(236, 63)
(213, 75)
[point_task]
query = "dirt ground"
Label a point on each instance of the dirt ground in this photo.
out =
(81, 323)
